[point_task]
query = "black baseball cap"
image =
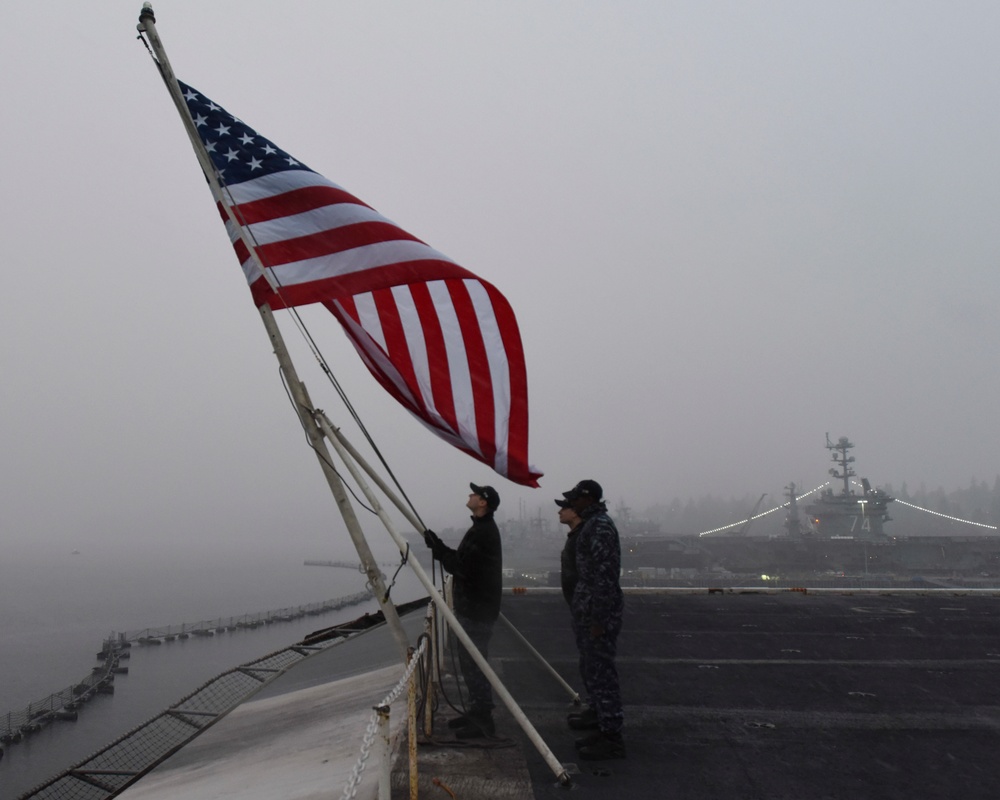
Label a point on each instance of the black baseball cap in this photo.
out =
(564, 504)
(588, 488)
(488, 493)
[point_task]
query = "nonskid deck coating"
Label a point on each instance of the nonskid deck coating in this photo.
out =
(727, 695)
(779, 695)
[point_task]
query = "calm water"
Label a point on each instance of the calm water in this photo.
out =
(55, 610)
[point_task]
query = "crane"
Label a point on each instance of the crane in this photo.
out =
(750, 517)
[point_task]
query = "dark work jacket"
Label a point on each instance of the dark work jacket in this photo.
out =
(597, 598)
(567, 560)
(477, 567)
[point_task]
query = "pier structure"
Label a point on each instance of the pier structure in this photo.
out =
(65, 704)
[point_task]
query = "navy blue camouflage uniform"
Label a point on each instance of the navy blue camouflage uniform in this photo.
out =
(598, 601)
(477, 568)
(569, 579)
(567, 560)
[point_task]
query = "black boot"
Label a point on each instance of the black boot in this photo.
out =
(587, 741)
(479, 726)
(585, 720)
(609, 746)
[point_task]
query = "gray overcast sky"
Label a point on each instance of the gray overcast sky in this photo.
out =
(726, 229)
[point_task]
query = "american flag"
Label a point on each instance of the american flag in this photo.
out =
(440, 340)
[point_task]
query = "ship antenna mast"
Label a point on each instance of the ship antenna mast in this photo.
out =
(840, 457)
(792, 518)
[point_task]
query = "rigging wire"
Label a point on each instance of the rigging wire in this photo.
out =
(319, 453)
(404, 555)
(325, 367)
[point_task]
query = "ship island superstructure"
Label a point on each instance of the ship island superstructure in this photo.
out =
(847, 514)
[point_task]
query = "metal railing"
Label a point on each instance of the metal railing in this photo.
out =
(378, 727)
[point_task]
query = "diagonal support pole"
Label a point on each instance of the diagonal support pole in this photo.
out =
(306, 413)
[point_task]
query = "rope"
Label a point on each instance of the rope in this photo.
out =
(402, 563)
(459, 706)
(319, 453)
(351, 789)
(325, 367)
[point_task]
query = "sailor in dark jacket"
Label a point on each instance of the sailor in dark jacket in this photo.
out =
(597, 606)
(477, 570)
(567, 559)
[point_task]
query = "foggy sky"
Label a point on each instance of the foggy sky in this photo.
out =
(725, 228)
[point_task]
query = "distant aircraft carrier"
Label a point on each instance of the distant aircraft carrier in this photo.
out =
(842, 535)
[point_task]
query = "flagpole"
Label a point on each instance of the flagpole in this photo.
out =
(353, 460)
(303, 405)
(147, 25)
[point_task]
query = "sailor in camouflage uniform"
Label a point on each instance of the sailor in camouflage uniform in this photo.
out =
(568, 579)
(597, 605)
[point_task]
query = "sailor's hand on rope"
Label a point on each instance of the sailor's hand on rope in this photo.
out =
(432, 540)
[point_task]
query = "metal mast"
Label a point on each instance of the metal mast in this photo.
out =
(792, 525)
(840, 457)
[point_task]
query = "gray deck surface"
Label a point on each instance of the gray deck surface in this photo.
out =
(785, 695)
(731, 695)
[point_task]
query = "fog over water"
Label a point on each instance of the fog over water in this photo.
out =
(726, 229)
(56, 614)
(56, 611)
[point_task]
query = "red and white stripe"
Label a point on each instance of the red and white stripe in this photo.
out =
(440, 340)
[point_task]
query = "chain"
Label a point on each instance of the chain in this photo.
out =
(351, 790)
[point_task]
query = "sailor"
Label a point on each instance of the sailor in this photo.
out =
(567, 559)
(477, 570)
(597, 605)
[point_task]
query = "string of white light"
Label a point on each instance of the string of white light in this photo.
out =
(812, 491)
(763, 513)
(946, 516)
(938, 514)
